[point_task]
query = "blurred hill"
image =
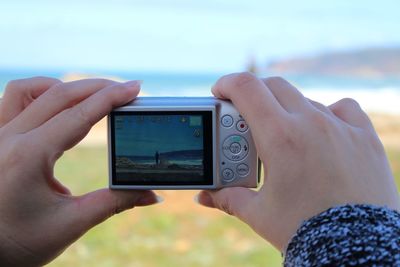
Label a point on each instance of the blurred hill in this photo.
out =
(365, 63)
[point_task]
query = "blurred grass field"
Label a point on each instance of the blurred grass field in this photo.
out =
(177, 232)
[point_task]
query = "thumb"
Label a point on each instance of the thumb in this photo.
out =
(93, 208)
(236, 201)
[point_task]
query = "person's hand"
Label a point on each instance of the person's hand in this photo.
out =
(315, 157)
(40, 118)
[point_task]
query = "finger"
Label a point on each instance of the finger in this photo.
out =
(57, 186)
(56, 99)
(321, 107)
(250, 96)
(88, 210)
(291, 99)
(236, 201)
(70, 126)
(21, 93)
(349, 110)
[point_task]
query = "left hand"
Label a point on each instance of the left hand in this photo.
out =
(40, 118)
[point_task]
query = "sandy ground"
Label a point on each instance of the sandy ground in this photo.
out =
(387, 126)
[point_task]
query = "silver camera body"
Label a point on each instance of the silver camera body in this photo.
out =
(180, 143)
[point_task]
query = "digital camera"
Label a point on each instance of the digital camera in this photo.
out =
(180, 143)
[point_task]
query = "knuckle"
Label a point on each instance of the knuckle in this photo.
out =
(80, 113)
(58, 91)
(225, 203)
(278, 129)
(286, 138)
(349, 103)
(114, 95)
(374, 141)
(320, 120)
(49, 80)
(277, 126)
(319, 105)
(12, 86)
(116, 90)
(15, 151)
(226, 207)
(14, 83)
(20, 85)
(243, 79)
(103, 82)
(274, 80)
(39, 77)
(117, 207)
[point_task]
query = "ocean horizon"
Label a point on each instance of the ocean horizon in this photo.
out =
(374, 95)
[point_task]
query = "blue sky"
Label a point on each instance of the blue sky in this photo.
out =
(182, 35)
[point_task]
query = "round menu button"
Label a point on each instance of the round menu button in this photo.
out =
(242, 169)
(228, 175)
(235, 148)
(241, 126)
(227, 121)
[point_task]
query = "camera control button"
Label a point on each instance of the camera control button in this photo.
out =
(227, 121)
(242, 126)
(242, 169)
(228, 175)
(235, 148)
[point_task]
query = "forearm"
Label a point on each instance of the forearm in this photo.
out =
(347, 235)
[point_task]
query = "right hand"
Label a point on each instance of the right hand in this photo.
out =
(315, 158)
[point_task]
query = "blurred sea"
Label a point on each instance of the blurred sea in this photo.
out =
(374, 95)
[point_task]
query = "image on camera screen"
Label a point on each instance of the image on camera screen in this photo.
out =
(160, 148)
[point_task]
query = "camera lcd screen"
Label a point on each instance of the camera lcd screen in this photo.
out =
(162, 148)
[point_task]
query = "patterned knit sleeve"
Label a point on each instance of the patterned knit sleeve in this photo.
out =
(350, 235)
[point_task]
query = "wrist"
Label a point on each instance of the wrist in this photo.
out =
(345, 230)
(13, 252)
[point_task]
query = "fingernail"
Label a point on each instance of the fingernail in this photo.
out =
(204, 198)
(213, 88)
(149, 200)
(196, 199)
(134, 83)
(159, 199)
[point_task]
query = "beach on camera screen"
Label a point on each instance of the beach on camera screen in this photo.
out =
(159, 147)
